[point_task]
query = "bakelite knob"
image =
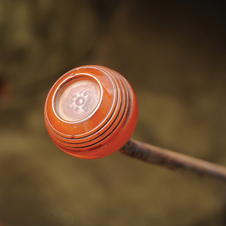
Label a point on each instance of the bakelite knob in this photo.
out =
(91, 112)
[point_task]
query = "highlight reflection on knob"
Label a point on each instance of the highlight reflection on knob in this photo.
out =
(91, 112)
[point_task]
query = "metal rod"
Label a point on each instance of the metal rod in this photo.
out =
(172, 160)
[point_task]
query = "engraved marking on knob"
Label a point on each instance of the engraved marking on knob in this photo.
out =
(78, 100)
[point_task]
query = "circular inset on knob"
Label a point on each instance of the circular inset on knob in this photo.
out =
(78, 99)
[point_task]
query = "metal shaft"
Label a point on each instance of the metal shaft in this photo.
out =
(172, 160)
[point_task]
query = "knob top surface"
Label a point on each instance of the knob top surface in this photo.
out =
(78, 99)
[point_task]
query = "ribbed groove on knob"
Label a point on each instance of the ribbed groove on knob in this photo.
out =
(108, 126)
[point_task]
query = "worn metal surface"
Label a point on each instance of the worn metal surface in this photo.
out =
(172, 160)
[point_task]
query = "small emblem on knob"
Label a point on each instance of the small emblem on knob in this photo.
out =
(79, 101)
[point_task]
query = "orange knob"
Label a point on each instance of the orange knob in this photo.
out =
(91, 112)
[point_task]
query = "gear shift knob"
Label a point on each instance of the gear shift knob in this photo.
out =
(91, 112)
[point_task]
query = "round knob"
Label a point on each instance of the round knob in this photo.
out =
(91, 112)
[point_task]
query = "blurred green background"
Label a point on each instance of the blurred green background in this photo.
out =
(174, 55)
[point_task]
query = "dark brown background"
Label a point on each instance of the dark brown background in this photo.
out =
(172, 52)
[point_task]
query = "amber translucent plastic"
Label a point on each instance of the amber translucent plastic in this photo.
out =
(91, 112)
